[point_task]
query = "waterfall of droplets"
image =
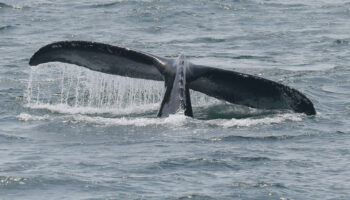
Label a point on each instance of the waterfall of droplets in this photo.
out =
(77, 88)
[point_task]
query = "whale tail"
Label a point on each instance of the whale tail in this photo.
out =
(179, 76)
(177, 94)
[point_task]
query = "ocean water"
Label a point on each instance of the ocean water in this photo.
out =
(70, 133)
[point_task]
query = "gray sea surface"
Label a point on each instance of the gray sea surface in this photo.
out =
(71, 133)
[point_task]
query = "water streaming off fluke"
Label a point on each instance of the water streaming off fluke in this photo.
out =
(71, 89)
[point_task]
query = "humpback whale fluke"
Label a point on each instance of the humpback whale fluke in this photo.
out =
(179, 76)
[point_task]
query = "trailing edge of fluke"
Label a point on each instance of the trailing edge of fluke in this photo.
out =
(179, 76)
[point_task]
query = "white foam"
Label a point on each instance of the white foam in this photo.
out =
(176, 120)
(29, 117)
(173, 121)
(247, 122)
(67, 109)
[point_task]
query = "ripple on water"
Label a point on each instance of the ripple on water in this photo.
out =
(196, 197)
(271, 138)
(8, 182)
(207, 164)
(4, 28)
(105, 5)
(7, 137)
(344, 42)
(4, 6)
(42, 182)
(257, 185)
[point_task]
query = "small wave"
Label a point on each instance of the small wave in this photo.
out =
(244, 57)
(3, 28)
(258, 185)
(11, 137)
(204, 163)
(4, 5)
(341, 133)
(250, 57)
(254, 159)
(199, 40)
(11, 182)
(104, 5)
(238, 138)
(208, 40)
(284, 5)
(250, 138)
(341, 42)
(195, 196)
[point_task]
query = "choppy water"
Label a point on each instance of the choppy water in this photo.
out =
(69, 133)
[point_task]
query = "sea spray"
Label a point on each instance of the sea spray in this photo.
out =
(72, 86)
(71, 89)
(85, 96)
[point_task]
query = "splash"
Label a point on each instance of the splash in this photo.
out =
(176, 121)
(74, 89)
(80, 95)
(70, 89)
(274, 119)
(173, 121)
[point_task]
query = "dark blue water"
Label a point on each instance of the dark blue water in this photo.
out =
(58, 143)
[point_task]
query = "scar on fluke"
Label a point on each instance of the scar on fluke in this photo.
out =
(179, 76)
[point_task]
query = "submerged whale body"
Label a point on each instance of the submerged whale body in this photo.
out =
(179, 76)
